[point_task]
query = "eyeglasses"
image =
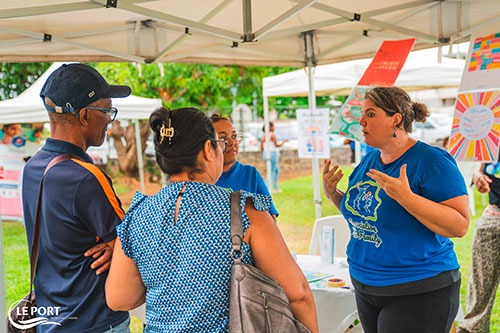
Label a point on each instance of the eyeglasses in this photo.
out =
(222, 144)
(112, 112)
(234, 137)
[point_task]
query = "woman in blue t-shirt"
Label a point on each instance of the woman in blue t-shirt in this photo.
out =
(173, 248)
(403, 203)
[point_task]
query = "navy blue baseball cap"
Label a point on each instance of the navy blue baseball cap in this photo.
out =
(74, 86)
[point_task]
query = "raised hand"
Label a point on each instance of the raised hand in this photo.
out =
(331, 177)
(396, 188)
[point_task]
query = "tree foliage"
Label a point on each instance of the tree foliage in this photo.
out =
(206, 87)
(17, 77)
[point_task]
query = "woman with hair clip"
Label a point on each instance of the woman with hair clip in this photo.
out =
(404, 202)
(173, 247)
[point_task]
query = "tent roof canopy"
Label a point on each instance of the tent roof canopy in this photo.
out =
(245, 32)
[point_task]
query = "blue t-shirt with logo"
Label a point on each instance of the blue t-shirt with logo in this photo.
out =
(388, 245)
(245, 177)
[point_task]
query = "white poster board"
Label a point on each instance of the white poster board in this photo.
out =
(313, 133)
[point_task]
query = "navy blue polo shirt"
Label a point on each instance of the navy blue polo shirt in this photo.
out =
(78, 208)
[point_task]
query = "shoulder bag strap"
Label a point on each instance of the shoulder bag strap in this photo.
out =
(236, 227)
(36, 230)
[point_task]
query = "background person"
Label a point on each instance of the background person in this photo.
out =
(10, 131)
(173, 247)
(235, 175)
(403, 203)
(485, 273)
(352, 147)
(274, 155)
(79, 208)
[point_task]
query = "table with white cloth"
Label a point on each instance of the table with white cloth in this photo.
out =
(333, 304)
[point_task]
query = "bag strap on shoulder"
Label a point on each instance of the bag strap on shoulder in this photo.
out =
(236, 227)
(36, 229)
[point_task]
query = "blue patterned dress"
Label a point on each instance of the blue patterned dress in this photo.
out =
(185, 265)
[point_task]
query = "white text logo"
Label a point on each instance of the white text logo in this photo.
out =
(23, 312)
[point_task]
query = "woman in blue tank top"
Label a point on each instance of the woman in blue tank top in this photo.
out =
(404, 202)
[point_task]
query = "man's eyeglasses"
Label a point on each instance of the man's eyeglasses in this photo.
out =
(222, 144)
(112, 112)
(235, 137)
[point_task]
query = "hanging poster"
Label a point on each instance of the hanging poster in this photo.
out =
(347, 123)
(313, 133)
(476, 124)
(383, 71)
(475, 131)
(12, 160)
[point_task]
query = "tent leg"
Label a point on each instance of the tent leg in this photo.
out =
(140, 160)
(267, 143)
(310, 59)
(2, 274)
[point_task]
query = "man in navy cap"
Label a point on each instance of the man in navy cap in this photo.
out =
(78, 208)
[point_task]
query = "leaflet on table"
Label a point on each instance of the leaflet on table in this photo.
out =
(312, 276)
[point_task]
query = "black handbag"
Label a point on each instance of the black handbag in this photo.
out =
(257, 303)
(21, 318)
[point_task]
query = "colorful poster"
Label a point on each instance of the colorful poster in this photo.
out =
(313, 133)
(11, 164)
(383, 71)
(476, 127)
(347, 122)
(483, 63)
(387, 63)
(476, 124)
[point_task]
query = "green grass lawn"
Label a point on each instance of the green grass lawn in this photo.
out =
(296, 220)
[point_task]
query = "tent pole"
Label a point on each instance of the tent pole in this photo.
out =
(310, 61)
(140, 160)
(2, 275)
(266, 143)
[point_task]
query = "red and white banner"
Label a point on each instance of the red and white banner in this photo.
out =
(383, 71)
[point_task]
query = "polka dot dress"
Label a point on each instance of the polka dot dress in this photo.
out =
(185, 264)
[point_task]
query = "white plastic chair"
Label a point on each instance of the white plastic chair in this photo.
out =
(341, 234)
(350, 324)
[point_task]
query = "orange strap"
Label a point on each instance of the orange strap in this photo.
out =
(108, 190)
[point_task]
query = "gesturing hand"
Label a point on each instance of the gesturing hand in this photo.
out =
(331, 177)
(396, 188)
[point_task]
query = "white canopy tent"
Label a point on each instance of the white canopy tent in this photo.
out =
(422, 70)
(246, 32)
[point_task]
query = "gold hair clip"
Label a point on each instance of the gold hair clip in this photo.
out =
(167, 132)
